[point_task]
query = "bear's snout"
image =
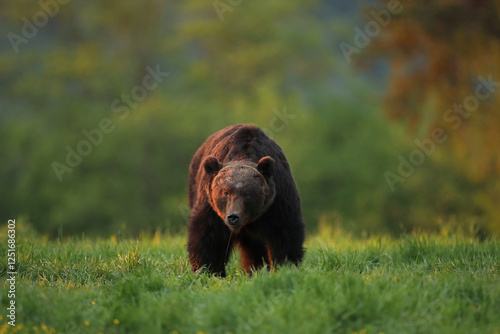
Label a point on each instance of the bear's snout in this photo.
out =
(233, 219)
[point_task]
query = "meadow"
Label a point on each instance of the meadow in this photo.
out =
(443, 283)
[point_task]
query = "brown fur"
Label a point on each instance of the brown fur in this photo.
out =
(241, 192)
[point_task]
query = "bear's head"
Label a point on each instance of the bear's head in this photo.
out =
(240, 191)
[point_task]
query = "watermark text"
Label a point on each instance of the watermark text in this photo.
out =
(455, 117)
(11, 271)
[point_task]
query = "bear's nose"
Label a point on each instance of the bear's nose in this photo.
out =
(233, 218)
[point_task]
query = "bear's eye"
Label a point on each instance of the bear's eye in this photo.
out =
(225, 194)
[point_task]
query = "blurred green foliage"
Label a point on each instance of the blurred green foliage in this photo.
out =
(274, 64)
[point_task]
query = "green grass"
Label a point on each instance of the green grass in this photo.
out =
(416, 284)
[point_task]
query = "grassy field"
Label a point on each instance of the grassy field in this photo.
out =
(416, 284)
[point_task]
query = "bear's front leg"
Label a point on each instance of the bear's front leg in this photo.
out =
(254, 254)
(285, 247)
(209, 246)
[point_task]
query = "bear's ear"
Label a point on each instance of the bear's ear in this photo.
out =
(266, 166)
(212, 165)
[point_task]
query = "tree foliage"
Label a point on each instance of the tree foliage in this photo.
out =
(444, 74)
(103, 106)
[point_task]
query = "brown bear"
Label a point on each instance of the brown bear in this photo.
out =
(241, 192)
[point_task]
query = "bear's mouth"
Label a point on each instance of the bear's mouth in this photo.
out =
(234, 227)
